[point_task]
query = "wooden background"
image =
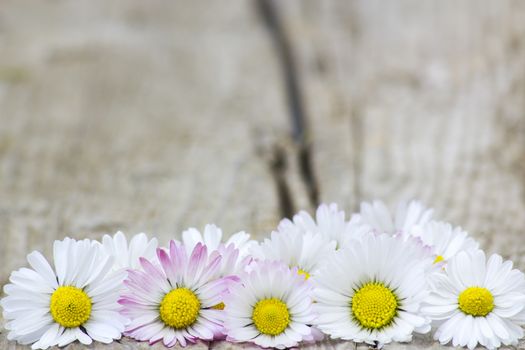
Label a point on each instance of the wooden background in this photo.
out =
(159, 115)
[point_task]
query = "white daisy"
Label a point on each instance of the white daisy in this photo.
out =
(377, 216)
(308, 251)
(372, 291)
(329, 222)
(477, 301)
(212, 239)
(444, 240)
(127, 256)
(271, 307)
(77, 300)
(235, 251)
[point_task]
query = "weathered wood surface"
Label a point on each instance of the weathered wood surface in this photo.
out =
(155, 116)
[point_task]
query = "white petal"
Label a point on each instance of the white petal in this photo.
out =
(82, 337)
(41, 266)
(49, 338)
(67, 337)
(497, 326)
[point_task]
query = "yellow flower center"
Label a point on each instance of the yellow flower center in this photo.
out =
(70, 306)
(374, 305)
(271, 316)
(304, 273)
(476, 301)
(439, 258)
(219, 306)
(179, 308)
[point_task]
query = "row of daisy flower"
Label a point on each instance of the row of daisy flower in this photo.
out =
(377, 277)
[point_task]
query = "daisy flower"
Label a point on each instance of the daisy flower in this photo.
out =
(372, 291)
(127, 256)
(212, 238)
(290, 246)
(235, 251)
(77, 300)
(329, 222)
(232, 264)
(174, 302)
(444, 240)
(379, 218)
(272, 307)
(478, 301)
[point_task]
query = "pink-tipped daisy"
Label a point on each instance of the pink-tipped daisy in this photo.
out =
(271, 307)
(177, 301)
(77, 300)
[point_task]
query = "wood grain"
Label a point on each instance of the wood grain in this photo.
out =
(132, 116)
(419, 100)
(157, 116)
